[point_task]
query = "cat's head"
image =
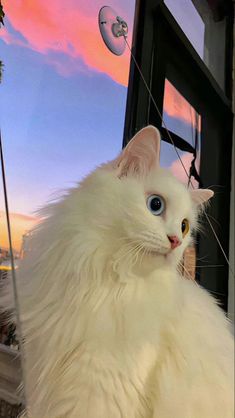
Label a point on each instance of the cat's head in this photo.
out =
(137, 210)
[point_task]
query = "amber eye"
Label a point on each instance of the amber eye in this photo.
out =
(185, 227)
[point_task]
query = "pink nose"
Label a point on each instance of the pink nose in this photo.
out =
(174, 240)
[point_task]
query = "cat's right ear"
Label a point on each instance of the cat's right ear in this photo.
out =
(141, 154)
(201, 196)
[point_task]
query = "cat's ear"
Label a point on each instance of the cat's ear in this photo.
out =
(200, 196)
(141, 154)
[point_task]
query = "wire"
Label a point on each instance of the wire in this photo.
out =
(177, 152)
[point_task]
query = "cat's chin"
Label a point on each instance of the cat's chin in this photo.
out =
(162, 252)
(162, 256)
(151, 261)
(158, 257)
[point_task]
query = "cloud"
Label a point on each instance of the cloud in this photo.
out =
(20, 224)
(59, 29)
(65, 65)
(175, 105)
(9, 38)
(178, 170)
(48, 26)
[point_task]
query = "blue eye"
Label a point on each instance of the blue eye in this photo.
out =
(155, 204)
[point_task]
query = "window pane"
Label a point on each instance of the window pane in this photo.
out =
(190, 22)
(206, 30)
(183, 120)
(179, 116)
(170, 160)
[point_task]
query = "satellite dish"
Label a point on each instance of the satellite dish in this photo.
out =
(113, 30)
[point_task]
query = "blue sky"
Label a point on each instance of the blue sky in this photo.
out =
(55, 129)
(63, 98)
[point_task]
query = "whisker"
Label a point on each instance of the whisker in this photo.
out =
(210, 265)
(214, 219)
(128, 251)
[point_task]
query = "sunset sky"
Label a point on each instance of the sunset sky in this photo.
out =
(63, 99)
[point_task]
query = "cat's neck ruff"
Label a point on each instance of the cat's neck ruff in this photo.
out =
(122, 266)
(152, 263)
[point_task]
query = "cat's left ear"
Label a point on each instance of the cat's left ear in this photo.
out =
(200, 196)
(141, 154)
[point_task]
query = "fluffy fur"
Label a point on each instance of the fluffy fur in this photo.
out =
(111, 330)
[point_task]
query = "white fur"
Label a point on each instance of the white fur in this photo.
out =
(111, 330)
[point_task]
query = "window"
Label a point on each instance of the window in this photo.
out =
(183, 120)
(205, 24)
(190, 22)
(200, 121)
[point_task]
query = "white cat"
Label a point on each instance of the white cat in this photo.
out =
(111, 329)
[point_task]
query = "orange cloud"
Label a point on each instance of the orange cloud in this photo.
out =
(50, 26)
(20, 224)
(177, 106)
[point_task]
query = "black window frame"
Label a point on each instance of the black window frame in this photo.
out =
(158, 45)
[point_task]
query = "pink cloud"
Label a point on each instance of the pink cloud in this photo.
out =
(8, 38)
(67, 67)
(69, 27)
(178, 170)
(177, 106)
